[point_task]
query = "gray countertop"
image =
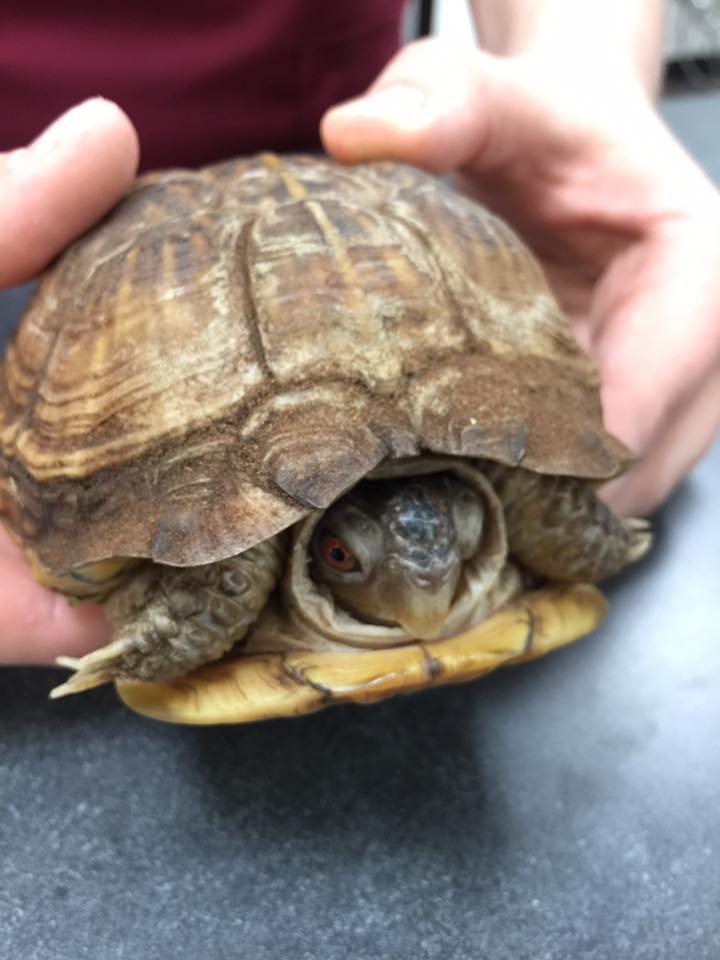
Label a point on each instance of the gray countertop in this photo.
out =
(565, 809)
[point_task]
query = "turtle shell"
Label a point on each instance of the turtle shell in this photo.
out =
(234, 347)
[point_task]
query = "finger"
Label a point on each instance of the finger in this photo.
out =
(58, 186)
(678, 447)
(658, 349)
(38, 626)
(444, 108)
(423, 109)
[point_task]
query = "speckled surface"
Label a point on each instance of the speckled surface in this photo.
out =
(568, 809)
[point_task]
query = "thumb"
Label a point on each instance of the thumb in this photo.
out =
(59, 185)
(440, 108)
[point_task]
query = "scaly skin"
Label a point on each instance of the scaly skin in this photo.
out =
(172, 619)
(558, 528)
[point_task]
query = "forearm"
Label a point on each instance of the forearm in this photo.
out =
(607, 35)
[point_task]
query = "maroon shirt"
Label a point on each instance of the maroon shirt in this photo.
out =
(201, 79)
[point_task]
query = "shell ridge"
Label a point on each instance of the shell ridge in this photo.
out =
(36, 392)
(250, 312)
(394, 216)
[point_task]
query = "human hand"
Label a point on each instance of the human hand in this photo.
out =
(50, 192)
(626, 225)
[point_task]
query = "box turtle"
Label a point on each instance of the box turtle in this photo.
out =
(324, 426)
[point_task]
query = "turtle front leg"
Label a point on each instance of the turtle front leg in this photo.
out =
(558, 528)
(169, 620)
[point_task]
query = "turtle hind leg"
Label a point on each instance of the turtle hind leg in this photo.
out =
(151, 646)
(558, 528)
(170, 620)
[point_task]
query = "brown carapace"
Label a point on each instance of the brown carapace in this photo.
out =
(233, 349)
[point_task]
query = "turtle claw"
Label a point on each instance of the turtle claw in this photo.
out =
(639, 538)
(92, 670)
(77, 684)
(72, 663)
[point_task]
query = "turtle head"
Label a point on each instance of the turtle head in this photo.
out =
(392, 551)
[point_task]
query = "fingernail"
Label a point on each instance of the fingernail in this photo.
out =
(400, 104)
(65, 132)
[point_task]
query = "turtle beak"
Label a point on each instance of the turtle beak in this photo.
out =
(421, 610)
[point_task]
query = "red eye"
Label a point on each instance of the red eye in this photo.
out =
(336, 554)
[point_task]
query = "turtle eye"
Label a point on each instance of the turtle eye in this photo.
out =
(337, 555)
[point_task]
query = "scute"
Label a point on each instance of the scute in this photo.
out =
(236, 346)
